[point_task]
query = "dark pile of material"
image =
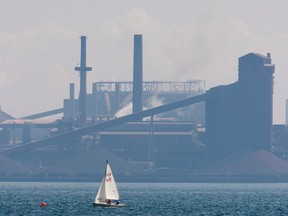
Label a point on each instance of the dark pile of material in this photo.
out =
(248, 163)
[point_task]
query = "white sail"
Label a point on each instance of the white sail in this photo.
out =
(101, 195)
(108, 189)
(110, 185)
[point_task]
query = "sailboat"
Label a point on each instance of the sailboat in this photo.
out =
(108, 195)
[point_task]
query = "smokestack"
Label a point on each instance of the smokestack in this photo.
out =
(72, 91)
(95, 96)
(83, 71)
(137, 74)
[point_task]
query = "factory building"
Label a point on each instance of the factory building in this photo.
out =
(239, 115)
(149, 141)
(187, 126)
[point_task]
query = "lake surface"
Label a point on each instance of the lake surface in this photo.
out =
(24, 198)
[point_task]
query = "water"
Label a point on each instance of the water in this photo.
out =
(145, 199)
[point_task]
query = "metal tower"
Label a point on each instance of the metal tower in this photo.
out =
(83, 70)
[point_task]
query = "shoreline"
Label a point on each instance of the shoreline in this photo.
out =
(155, 179)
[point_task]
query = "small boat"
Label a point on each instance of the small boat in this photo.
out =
(108, 195)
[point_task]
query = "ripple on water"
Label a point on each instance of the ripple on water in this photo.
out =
(145, 199)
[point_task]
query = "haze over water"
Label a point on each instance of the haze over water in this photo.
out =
(18, 198)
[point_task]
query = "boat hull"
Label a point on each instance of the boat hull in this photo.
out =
(108, 205)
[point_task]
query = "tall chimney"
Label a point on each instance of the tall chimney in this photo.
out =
(137, 74)
(83, 71)
(72, 91)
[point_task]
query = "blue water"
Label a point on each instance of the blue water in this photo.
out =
(145, 199)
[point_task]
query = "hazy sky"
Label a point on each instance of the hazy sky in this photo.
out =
(182, 40)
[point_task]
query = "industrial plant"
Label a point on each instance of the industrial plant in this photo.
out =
(152, 130)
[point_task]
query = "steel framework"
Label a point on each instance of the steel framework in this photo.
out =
(190, 86)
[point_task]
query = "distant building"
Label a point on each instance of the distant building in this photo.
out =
(239, 115)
